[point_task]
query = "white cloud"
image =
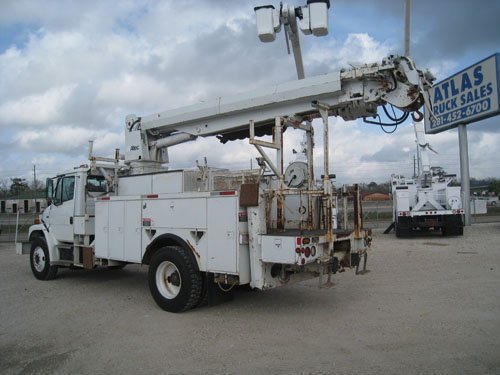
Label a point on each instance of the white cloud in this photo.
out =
(357, 48)
(68, 140)
(36, 109)
(132, 89)
(86, 65)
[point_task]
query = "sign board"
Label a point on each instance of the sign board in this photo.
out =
(468, 96)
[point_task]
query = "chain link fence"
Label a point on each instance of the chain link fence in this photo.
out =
(9, 222)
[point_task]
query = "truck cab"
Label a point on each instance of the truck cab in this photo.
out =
(69, 217)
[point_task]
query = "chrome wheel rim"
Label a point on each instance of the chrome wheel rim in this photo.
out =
(39, 259)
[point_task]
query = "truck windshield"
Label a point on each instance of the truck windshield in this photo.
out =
(96, 184)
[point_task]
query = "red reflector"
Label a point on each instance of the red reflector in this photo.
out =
(297, 250)
(105, 199)
(303, 260)
(152, 196)
(404, 213)
(227, 193)
(298, 241)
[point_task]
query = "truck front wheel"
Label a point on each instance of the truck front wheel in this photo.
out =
(40, 260)
(174, 280)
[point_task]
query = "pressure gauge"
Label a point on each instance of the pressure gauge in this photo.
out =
(296, 175)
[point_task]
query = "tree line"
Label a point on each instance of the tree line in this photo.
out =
(16, 186)
(13, 187)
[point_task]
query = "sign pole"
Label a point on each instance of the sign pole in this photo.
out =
(464, 171)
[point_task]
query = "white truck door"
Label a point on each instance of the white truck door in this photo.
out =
(222, 215)
(62, 209)
(124, 223)
(118, 230)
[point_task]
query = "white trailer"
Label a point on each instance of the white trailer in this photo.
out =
(205, 230)
(427, 202)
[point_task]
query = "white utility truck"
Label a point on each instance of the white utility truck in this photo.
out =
(427, 201)
(206, 230)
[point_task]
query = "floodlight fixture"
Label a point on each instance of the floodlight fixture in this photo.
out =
(313, 19)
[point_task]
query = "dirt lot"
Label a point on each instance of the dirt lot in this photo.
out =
(429, 305)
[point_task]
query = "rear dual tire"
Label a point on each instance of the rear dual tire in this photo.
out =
(453, 231)
(175, 282)
(402, 232)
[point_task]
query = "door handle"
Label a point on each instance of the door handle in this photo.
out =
(71, 219)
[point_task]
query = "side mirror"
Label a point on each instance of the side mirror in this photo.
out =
(49, 190)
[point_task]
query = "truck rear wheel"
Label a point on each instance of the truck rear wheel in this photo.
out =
(174, 281)
(453, 231)
(401, 232)
(40, 260)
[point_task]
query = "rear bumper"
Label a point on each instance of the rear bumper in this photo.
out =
(431, 221)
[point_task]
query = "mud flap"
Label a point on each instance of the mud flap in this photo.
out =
(215, 294)
(23, 248)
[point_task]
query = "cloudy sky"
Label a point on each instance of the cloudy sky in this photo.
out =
(70, 71)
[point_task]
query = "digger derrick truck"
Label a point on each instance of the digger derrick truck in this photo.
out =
(202, 231)
(426, 202)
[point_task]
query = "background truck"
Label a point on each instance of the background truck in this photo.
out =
(427, 201)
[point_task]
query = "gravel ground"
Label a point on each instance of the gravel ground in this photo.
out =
(430, 305)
